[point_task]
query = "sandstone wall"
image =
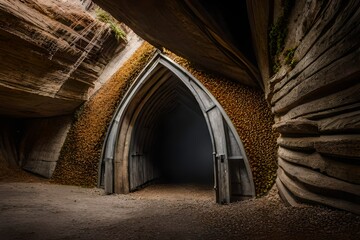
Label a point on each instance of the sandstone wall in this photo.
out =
(315, 96)
(9, 139)
(206, 32)
(32, 144)
(309, 64)
(41, 143)
(51, 53)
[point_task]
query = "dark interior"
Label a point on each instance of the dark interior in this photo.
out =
(171, 142)
(184, 147)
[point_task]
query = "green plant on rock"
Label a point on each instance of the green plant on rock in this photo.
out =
(105, 17)
(277, 34)
(289, 57)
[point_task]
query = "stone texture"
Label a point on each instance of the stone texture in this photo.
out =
(297, 192)
(315, 100)
(318, 94)
(322, 91)
(41, 143)
(51, 53)
(213, 35)
(298, 127)
(340, 146)
(33, 144)
(326, 165)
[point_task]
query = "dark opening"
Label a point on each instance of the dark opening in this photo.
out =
(184, 147)
(171, 141)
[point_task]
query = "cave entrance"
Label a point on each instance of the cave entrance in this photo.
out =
(169, 127)
(170, 140)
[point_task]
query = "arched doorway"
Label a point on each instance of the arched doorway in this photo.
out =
(168, 125)
(170, 139)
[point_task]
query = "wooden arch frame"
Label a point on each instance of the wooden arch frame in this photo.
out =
(233, 177)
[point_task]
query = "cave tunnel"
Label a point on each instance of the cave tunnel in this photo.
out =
(168, 127)
(171, 141)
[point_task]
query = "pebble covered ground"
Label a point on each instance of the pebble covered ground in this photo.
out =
(35, 211)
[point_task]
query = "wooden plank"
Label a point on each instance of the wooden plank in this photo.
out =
(108, 178)
(222, 172)
(233, 148)
(202, 96)
(240, 185)
(235, 158)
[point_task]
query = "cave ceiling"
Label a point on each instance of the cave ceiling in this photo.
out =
(213, 35)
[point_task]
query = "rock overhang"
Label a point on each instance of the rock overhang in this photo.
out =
(215, 36)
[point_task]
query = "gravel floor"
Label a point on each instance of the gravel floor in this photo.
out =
(40, 210)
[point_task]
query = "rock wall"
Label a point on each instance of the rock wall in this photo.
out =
(33, 144)
(213, 34)
(315, 96)
(307, 53)
(51, 53)
(41, 143)
(309, 65)
(10, 134)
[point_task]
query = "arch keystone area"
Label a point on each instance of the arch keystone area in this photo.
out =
(168, 124)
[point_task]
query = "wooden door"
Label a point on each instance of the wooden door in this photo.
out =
(233, 181)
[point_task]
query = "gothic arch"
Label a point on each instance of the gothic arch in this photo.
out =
(162, 86)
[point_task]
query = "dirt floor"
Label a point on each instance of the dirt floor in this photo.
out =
(37, 209)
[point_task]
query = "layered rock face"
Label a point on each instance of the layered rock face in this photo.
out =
(315, 96)
(214, 35)
(316, 104)
(304, 54)
(51, 53)
(309, 66)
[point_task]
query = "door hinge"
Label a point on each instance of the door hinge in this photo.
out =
(220, 157)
